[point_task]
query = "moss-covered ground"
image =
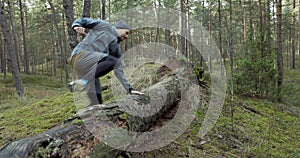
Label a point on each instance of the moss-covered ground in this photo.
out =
(46, 104)
(257, 128)
(247, 127)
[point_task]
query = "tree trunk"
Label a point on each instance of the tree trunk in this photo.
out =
(293, 30)
(33, 59)
(86, 8)
(168, 38)
(230, 49)
(14, 33)
(182, 27)
(1, 54)
(279, 49)
(26, 62)
(203, 12)
(189, 36)
(77, 139)
(157, 11)
(210, 32)
(69, 12)
(244, 24)
(251, 22)
(109, 9)
(11, 54)
(103, 7)
(287, 47)
(64, 42)
(59, 41)
(223, 59)
(53, 54)
(261, 28)
(3, 58)
(268, 29)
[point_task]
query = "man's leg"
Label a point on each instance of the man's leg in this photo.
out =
(94, 92)
(105, 65)
(98, 90)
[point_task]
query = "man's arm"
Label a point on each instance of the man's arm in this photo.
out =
(115, 51)
(118, 70)
(87, 23)
(81, 24)
(120, 75)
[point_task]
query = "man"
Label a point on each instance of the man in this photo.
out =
(98, 54)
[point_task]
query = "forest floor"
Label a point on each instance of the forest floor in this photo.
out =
(247, 126)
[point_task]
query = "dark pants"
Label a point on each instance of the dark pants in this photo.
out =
(104, 66)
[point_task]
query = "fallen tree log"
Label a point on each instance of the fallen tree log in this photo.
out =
(76, 137)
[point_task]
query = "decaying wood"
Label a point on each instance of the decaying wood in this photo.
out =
(77, 137)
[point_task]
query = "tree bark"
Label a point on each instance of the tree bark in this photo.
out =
(103, 8)
(231, 54)
(59, 41)
(210, 32)
(230, 47)
(157, 11)
(76, 139)
(182, 27)
(222, 53)
(279, 49)
(3, 58)
(69, 12)
(16, 45)
(168, 38)
(293, 30)
(53, 54)
(244, 24)
(262, 28)
(26, 62)
(86, 8)
(109, 9)
(252, 36)
(269, 37)
(188, 33)
(12, 60)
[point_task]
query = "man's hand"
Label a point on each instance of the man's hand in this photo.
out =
(80, 30)
(136, 92)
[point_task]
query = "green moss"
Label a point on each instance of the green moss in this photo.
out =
(78, 121)
(123, 116)
(45, 104)
(271, 131)
(49, 110)
(268, 134)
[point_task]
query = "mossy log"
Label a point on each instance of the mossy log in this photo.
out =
(78, 137)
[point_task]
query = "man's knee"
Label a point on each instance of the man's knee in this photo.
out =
(112, 59)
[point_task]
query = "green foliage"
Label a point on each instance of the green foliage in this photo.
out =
(291, 88)
(255, 75)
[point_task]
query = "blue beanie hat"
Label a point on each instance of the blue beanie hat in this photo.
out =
(122, 25)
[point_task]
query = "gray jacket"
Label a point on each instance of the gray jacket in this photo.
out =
(101, 41)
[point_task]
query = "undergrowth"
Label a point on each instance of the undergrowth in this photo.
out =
(257, 128)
